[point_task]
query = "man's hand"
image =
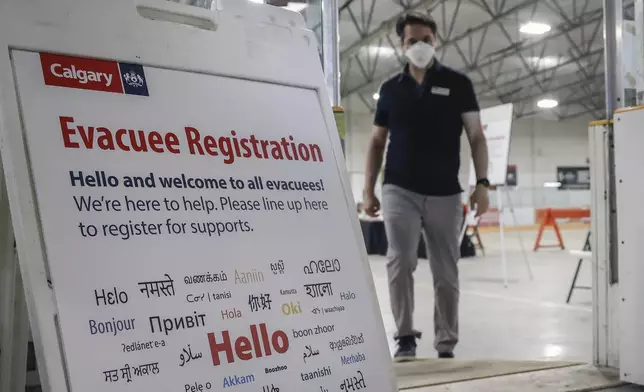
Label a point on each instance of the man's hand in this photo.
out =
(479, 200)
(371, 204)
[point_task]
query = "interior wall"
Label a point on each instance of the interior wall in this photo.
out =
(537, 147)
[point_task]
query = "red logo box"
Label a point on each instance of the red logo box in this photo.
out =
(81, 73)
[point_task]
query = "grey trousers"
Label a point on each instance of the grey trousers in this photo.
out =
(405, 213)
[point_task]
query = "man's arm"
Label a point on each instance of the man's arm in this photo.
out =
(375, 153)
(478, 144)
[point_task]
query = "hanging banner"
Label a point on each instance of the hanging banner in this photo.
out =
(497, 126)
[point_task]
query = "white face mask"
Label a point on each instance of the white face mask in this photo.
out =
(420, 54)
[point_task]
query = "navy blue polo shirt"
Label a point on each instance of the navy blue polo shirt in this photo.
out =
(425, 127)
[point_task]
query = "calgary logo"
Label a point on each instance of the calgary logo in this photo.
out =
(133, 79)
(93, 74)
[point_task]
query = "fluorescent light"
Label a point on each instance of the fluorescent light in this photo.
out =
(534, 28)
(551, 184)
(547, 103)
(545, 62)
(376, 96)
(297, 7)
(257, 1)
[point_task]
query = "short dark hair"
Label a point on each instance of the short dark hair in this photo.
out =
(414, 19)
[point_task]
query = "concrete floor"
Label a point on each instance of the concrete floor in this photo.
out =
(528, 320)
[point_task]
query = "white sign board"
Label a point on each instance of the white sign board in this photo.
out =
(199, 230)
(497, 125)
(629, 189)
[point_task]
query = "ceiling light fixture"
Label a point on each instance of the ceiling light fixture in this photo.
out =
(376, 96)
(534, 28)
(547, 103)
(257, 1)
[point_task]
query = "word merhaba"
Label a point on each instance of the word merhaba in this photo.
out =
(316, 290)
(127, 371)
(322, 267)
(158, 287)
(176, 323)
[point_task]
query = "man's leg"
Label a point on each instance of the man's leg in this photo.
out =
(401, 211)
(442, 219)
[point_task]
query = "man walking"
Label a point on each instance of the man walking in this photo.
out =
(423, 111)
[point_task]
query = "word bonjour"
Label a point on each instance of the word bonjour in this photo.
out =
(316, 290)
(246, 349)
(319, 330)
(230, 147)
(322, 267)
(110, 326)
(314, 375)
(140, 346)
(291, 309)
(353, 383)
(176, 323)
(233, 381)
(126, 372)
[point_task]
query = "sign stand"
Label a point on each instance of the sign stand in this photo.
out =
(138, 171)
(14, 322)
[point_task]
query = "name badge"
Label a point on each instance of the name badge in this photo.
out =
(440, 91)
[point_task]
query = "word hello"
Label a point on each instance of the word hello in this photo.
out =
(270, 388)
(231, 314)
(275, 369)
(347, 296)
(291, 309)
(113, 326)
(232, 381)
(112, 297)
(322, 267)
(314, 375)
(253, 276)
(352, 359)
(319, 330)
(260, 344)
